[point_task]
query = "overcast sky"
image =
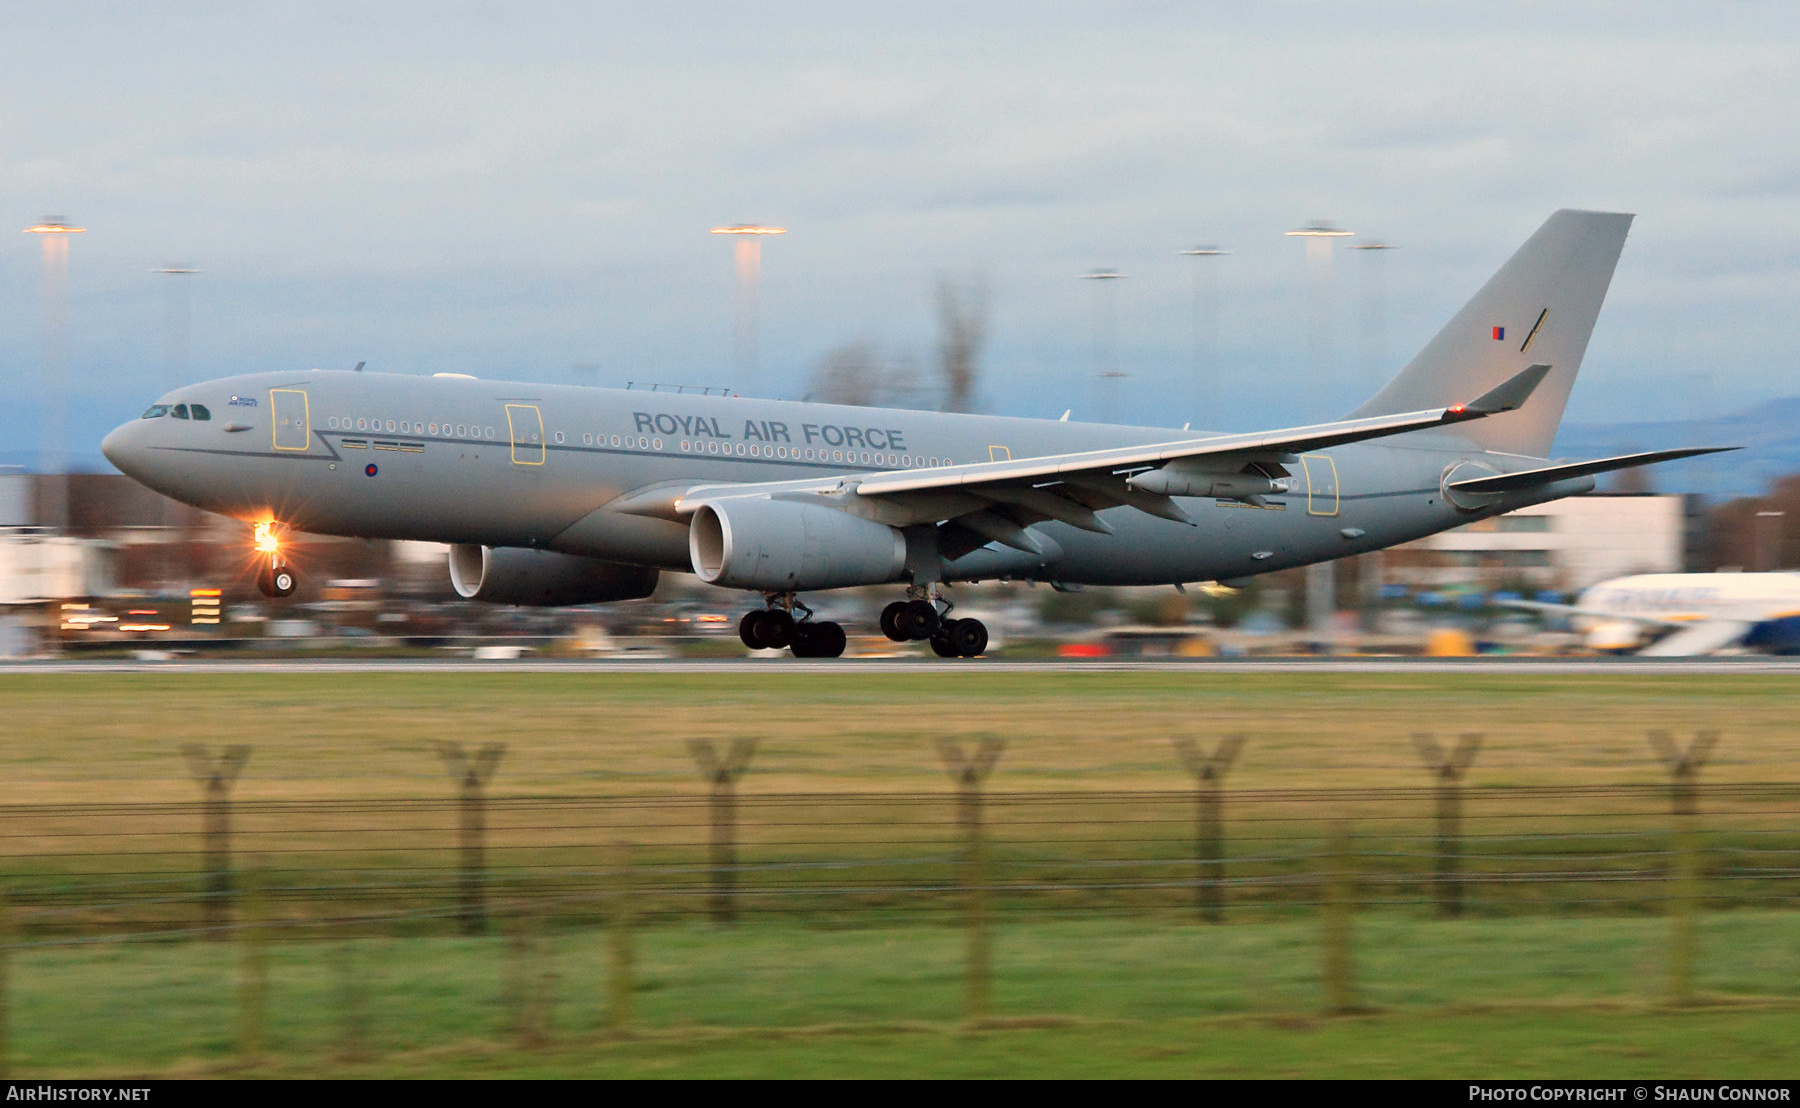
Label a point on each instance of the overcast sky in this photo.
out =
(522, 189)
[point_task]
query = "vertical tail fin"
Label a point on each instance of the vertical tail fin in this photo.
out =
(1539, 308)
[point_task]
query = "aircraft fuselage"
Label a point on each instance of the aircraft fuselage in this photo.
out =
(510, 464)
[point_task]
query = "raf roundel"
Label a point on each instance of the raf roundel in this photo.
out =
(371, 470)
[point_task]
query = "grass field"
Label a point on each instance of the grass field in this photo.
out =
(1082, 986)
(1070, 997)
(83, 738)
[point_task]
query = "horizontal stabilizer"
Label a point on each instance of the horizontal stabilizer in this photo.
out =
(1532, 478)
(1510, 394)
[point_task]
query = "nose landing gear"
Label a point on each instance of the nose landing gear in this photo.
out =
(275, 577)
(775, 628)
(919, 618)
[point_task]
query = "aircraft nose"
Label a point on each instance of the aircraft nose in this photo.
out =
(121, 448)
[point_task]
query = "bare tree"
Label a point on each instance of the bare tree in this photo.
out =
(861, 373)
(962, 308)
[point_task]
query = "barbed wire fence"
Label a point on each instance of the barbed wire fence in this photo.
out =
(324, 874)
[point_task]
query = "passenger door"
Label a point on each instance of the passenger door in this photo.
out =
(525, 424)
(290, 413)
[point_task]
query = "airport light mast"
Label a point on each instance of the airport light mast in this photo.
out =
(1106, 325)
(1206, 332)
(748, 250)
(1319, 235)
(54, 231)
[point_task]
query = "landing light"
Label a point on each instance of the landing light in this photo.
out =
(265, 539)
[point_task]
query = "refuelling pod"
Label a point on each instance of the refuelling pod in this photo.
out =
(755, 543)
(543, 578)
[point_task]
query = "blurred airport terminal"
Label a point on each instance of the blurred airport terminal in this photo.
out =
(135, 574)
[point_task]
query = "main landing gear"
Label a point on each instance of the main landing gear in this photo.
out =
(919, 618)
(775, 628)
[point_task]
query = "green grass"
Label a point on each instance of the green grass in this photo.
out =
(1078, 996)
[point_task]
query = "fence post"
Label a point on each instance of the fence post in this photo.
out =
(970, 771)
(528, 989)
(253, 969)
(353, 1008)
(1684, 768)
(723, 774)
(1209, 819)
(216, 776)
(7, 935)
(1684, 872)
(1448, 766)
(472, 773)
(620, 982)
(1336, 965)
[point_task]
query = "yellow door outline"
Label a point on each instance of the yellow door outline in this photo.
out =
(999, 453)
(1321, 484)
(527, 434)
(300, 437)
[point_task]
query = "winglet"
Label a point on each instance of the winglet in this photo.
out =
(1510, 395)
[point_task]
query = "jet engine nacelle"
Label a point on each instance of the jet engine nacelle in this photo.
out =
(1614, 635)
(783, 544)
(543, 578)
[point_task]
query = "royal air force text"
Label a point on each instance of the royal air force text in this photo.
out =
(769, 430)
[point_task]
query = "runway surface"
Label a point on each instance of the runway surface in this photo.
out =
(868, 666)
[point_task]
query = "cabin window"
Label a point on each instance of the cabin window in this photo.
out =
(656, 444)
(155, 411)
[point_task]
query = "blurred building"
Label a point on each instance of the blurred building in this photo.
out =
(1565, 545)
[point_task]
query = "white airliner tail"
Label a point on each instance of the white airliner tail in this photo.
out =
(1538, 309)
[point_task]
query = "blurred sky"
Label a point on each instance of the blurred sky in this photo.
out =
(520, 189)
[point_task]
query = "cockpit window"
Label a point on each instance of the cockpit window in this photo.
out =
(200, 411)
(179, 411)
(155, 411)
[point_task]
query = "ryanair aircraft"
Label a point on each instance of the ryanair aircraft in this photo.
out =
(556, 495)
(1678, 615)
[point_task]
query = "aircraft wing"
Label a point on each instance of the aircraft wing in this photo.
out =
(996, 501)
(1597, 613)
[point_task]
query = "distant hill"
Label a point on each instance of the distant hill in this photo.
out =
(1769, 434)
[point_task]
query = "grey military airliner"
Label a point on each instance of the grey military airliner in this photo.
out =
(560, 495)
